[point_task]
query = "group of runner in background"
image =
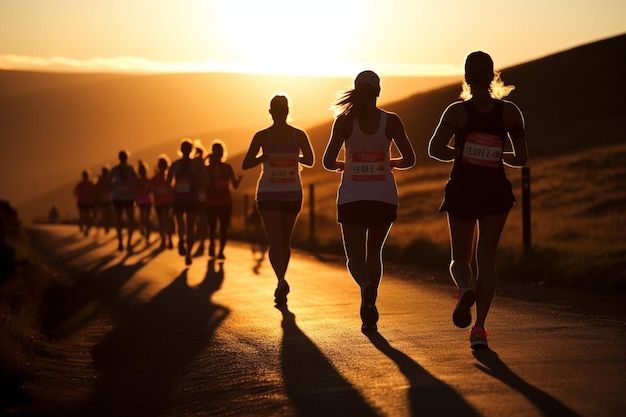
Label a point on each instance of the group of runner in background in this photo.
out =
(191, 197)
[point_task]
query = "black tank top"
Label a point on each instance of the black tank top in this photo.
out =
(482, 140)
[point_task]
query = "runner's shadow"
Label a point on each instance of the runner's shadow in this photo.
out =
(214, 277)
(70, 307)
(313, 385)
(491, 364)
(143, 359)
(428, 395)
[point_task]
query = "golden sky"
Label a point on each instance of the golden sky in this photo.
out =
(314, 37)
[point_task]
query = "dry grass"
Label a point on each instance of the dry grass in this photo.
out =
(578, 220)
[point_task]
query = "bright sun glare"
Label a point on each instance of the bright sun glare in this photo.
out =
(289, 36)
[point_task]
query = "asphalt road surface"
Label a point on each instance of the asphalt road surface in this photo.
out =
(141, 334)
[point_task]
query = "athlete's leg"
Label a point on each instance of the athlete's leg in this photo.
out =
(192, 217)
(490, 231)
(376, 237)
(130, 216)
(212, 225)
(118, 225)
(278, 229)
(181, 230)
(355, 247)
(224, 221)
(462, 234)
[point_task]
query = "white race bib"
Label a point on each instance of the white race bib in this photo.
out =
(182, 187)
(368, 166)
(482, 149)
(283, 168)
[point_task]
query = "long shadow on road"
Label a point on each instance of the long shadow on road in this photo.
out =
(69, 307)
(315, 388)
(141, 361)
(491, 364)
(428, 395)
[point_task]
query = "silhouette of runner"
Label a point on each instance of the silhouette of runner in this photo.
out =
(200, 155)
(219, 202)
(472, 134)
(123, 179)
(162, 195)
(85, 192)
(188, 177)
(367, 198)
(281, 149)
(104, 201)
(144, 200)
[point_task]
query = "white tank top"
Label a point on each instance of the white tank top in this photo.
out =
(367, 175)
(280, 177)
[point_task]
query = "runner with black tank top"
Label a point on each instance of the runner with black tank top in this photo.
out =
(472, 133)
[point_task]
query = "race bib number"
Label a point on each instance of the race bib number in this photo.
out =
(482, 149)
(221, 184)
(123, 189)
(161, 190)
(283, 168)
(182, 187)
(368, 166)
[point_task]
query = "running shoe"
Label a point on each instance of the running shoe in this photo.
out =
(462, 316)
(478, 337)
(280, 295)
(369, 312)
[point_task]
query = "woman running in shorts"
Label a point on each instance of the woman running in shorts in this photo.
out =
(367, 198)
(472, 134)
(219, 202)
(162, 195)
(282, 149)
(85, 192)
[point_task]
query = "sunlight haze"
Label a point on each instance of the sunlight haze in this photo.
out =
(322, 37)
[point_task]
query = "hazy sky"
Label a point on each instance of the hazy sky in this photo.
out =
(316, 37)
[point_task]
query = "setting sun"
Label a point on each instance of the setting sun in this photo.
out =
(283, 36)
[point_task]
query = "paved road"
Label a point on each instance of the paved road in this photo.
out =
(142, 335)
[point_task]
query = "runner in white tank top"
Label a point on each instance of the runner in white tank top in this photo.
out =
(367, 198)
(367, 166)
(283, 149)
